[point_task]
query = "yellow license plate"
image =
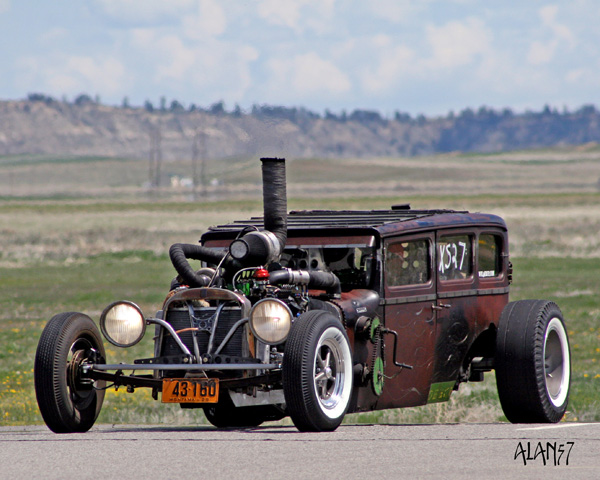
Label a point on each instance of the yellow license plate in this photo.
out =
(190, 390)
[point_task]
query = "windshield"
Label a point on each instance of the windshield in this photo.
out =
(352, 265)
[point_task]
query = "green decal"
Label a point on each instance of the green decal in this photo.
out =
(440, 392)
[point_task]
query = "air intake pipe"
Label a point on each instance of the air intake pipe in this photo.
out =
(318, 280)
(179, 254)
(265, 247)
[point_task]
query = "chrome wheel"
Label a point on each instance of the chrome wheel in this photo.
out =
(331, 371)
(81, 392)
(556, 362)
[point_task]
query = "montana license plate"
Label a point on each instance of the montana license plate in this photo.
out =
(200, 390)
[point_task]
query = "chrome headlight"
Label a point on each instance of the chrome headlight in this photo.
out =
(123, 324)
(270, 321)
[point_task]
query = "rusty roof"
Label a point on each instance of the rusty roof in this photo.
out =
(373, 222)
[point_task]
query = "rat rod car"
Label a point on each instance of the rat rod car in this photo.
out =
(316, 314)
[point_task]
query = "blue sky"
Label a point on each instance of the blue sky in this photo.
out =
(419, 56)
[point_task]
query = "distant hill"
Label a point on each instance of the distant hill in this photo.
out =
(43, 125)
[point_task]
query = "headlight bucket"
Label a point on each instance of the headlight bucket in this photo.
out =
(122, 324)
(270, 321)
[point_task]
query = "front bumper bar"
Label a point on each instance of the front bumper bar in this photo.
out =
(185, 366)
(120, 379)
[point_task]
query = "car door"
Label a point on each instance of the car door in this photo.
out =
(409, 295)
(456, 307)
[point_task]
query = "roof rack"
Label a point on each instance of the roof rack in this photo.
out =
(337, 218)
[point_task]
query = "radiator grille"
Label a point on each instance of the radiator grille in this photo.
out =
(179, 318)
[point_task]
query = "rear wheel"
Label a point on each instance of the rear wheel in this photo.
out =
(68, 403)
(317, 372)
(533, 363)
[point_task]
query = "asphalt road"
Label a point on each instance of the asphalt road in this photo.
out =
(474, 451)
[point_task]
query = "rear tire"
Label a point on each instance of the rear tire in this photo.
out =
(317, 372)
(533, 363)
(67, 402)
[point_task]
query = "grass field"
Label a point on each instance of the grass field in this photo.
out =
(82, 247)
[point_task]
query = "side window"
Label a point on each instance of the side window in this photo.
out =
(490, 249)
(454, 257)
(407, 263)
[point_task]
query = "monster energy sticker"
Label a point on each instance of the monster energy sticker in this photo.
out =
(440, 392)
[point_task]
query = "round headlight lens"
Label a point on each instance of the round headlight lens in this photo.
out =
(123, 324)
(270, 321)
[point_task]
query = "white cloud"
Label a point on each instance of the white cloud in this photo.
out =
(144, 11)
(280, 12)
(457, 44)
(213, 67)
(512, 83)
(175, 59)
(395, 62)
(321, 17)
(54, 34)
(72, 74)
(208, 21)
(583, 78)
(397, 11)
(4, 6)
(298, 15)
(389, 65)
(543, 52)
(307, 74)
(548, 15)
(575, 76)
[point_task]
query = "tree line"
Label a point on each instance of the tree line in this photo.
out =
(471, 130)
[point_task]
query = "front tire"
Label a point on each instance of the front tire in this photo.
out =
(67, 402)
(533, 363)
(317, 372)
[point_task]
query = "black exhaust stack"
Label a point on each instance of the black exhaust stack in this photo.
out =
(275, 198)
(263, 248)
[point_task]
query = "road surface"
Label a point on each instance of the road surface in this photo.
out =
(474, 451)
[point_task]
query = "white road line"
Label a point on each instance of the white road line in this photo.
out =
(562, 425)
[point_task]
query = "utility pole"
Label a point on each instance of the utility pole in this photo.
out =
(158, 158)
(199, 163)
(155, 158)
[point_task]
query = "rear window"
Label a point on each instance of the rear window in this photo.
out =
(490, 249)
(407, 263)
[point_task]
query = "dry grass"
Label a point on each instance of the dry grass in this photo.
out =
(561, 170)
(33, 235)
(71, 208)
(71, 231)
